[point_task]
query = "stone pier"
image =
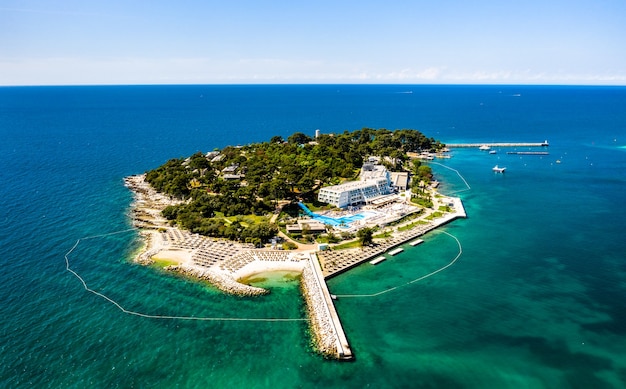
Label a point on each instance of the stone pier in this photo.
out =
(325, 324)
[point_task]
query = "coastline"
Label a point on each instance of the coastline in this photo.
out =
(223, 263)
(146, 216)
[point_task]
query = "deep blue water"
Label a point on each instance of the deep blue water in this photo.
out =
(537, 298)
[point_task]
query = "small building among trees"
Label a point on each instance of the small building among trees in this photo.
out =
(306, 226)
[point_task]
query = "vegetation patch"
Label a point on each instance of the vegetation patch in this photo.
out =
(434, 215)
(218, 187)
(384, 235)
(289, 245)
(411, 226)
(162, 262)
(421, 201)
(347, 245)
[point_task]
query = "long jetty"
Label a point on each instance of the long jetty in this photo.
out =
(331, 339)
(498, 144)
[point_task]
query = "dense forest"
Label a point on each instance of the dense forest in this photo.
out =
(250, 180)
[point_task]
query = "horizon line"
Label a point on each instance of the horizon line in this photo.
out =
(316, 84)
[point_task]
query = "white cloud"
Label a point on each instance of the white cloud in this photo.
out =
(410, 75)
(72, 71)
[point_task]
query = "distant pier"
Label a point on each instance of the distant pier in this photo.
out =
(498, 144)
(528, 152)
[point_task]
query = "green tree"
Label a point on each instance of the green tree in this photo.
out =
(299, 138)
(425, 173)
(416, 163)
(366, 236)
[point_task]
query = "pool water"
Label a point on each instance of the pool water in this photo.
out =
(337, 221)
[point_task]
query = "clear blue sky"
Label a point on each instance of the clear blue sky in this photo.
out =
(340, 41)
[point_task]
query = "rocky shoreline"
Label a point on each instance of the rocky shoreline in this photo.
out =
(221, 281)
(146, 215)
(148, 203)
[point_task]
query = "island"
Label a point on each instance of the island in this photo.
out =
(317, 205)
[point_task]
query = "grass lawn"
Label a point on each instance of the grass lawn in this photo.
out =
(410, 226)
(161, 262)
(348, 245)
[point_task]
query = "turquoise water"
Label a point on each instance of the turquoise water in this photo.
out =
(536, 299)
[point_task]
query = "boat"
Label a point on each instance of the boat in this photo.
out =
(498, 169)
(492, 152)
(484, 148)
(416, 242)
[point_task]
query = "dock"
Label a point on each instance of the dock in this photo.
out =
(498, 144)
(416, 242)
(396, 251)
(528, 152)
(377, 260)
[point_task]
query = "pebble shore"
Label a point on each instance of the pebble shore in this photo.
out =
(219, 280)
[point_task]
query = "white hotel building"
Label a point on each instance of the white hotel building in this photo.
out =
(375, 182)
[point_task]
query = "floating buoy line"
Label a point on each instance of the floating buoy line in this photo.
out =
(150, 316)
(467, 186)
(458, 255)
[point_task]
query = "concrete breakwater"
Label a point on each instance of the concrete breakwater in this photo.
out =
(221, 281)
(329, 336)
(499, 144)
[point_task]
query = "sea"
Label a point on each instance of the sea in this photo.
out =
(534, 295)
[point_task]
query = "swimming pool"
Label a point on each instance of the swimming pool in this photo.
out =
(337, 221)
